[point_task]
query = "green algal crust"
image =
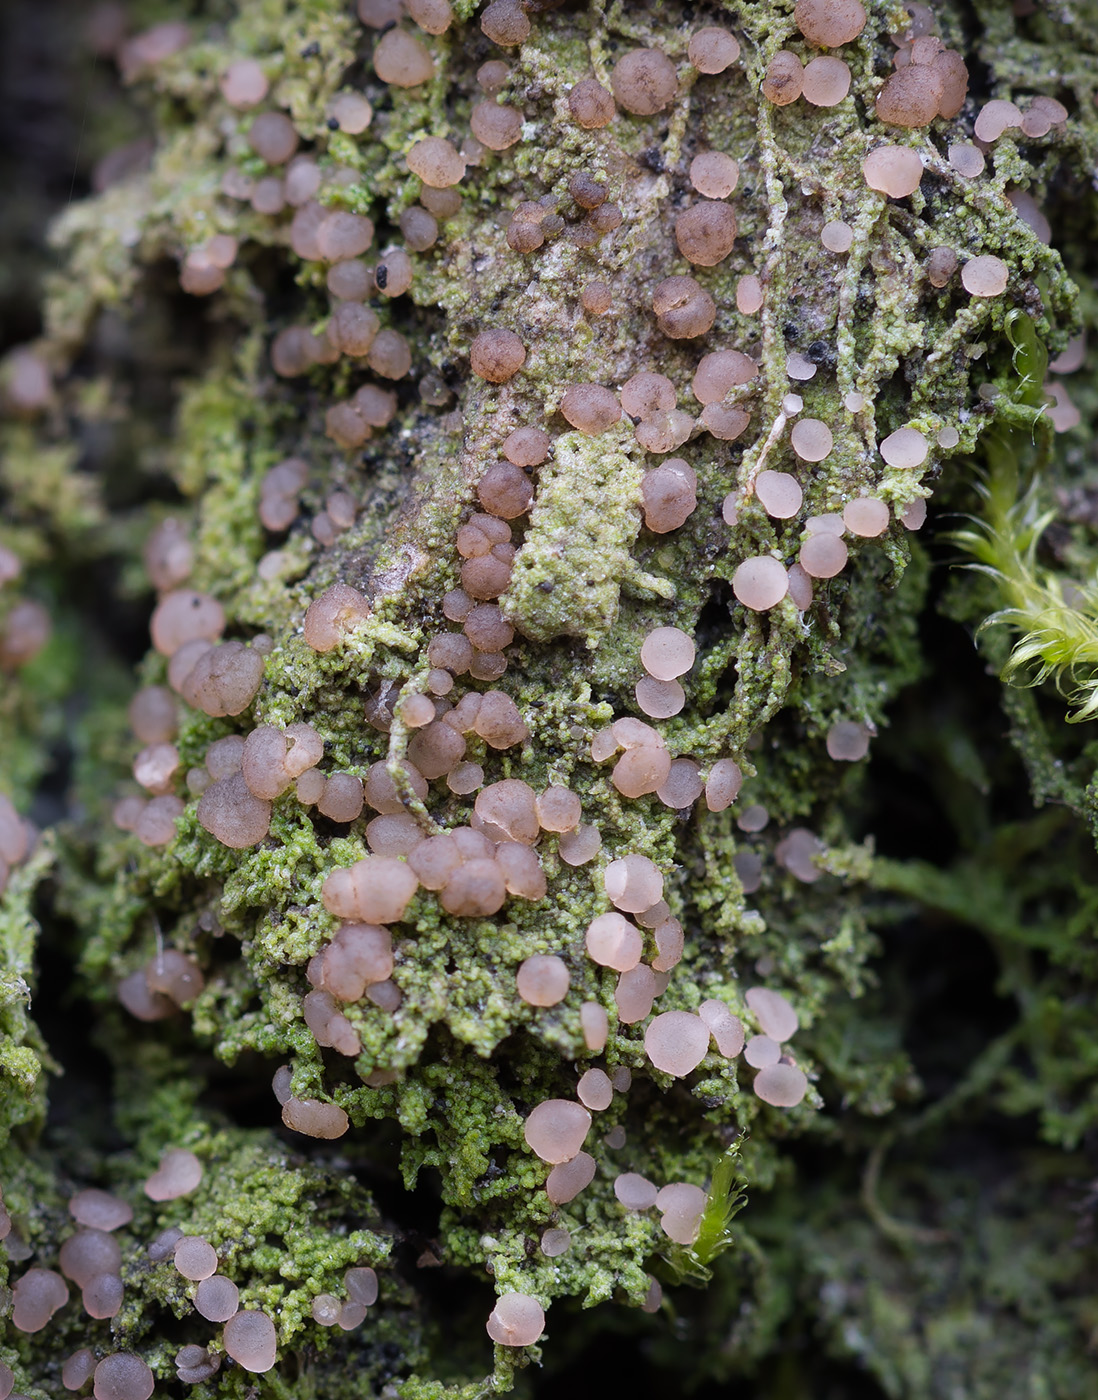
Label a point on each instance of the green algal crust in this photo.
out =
(285, 1230)
(23, 1054)
(438, 1096)
(576, 556)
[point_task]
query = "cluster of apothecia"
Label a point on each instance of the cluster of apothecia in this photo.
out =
(439, 737)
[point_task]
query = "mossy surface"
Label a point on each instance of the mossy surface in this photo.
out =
(919, 1221)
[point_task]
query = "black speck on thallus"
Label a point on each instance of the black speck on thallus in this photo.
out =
(820, 353)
